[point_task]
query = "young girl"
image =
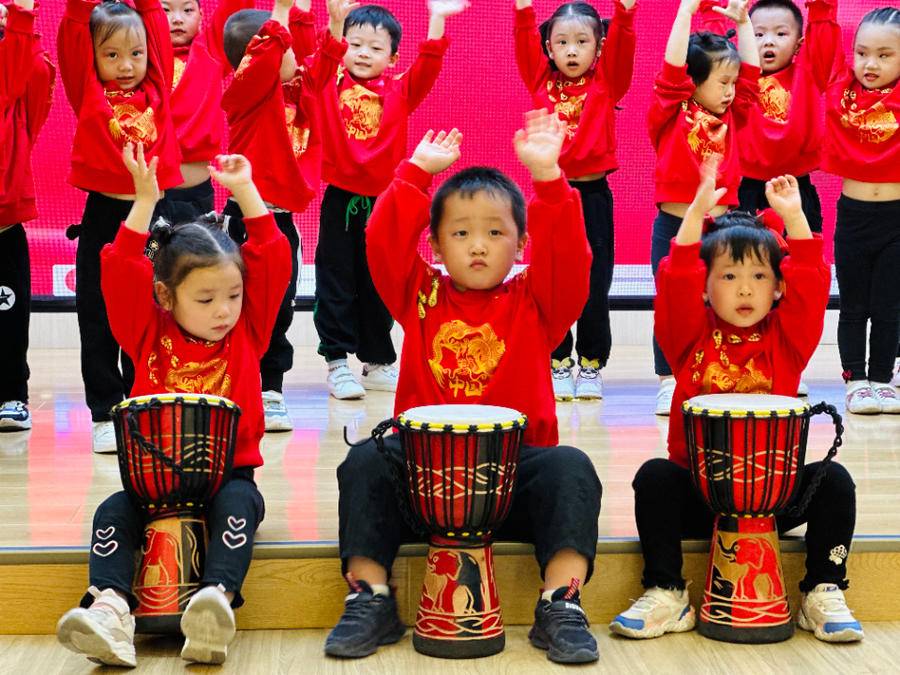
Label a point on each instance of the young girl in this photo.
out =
(216, 306)
(719, 326)
(116, 65)
(704, 91)
(571, 66)
(862, 118)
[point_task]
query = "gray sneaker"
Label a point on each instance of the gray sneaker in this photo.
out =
(104, 632)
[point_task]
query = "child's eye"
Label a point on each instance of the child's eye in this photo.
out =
(205, 301)
(460, 233)
(760, 276)
(496, 233)
(729, 276)
(235, 296)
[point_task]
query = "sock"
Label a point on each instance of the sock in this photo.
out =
(381, 589)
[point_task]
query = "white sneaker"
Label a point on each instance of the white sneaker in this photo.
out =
(208, 626)
(887, 397)
(824, 611)
(104, 632)
(802, 389)
(896, 379)
(664, 396)
(563, 382)
(276, 413)
(14, 416)
(104, 438)
(861, 400)
(380, 377)
(589, 383)
(657, 611)
(342, 383)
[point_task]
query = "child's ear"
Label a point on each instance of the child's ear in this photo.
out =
(705, 298)
(166, 301)
(799, 44)
(394, 57)
(780, 290)
(600, 46)
(520, 247)
(435, 248)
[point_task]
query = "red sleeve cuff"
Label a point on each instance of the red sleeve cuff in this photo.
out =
(673, 75)
(525, 18)
(262, 228)
(436, 47)
(624, 17)
(806, 252)
(20, 20)
(684, 256)
(147, 5)
(80, 10)
(299, 16)
(552, 191)
(415, 175)
(821, 10)
(276, 30)
(130, 243)
(332, 48)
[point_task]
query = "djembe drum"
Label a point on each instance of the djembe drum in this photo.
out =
(746, 456)
(460, 471)
(175, 451)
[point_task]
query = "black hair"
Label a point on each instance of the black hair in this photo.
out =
(475, 179)
(376, 16)
(178, 250)
(109, 17)
(573, 10)
(707, 50)
(743, 235)
(789, 5)
(882, 16)
(240, 28)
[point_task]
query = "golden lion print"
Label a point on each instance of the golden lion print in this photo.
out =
(569, 110)
(876, 124)
(476, 352)
(734, 378)
(361, 110)
(774, 100)
(179, 71)
(130, 124)
(707, 134)
(299, 134)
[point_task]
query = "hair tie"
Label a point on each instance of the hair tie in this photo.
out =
(770, 219)
(708, 223)
(160, 235)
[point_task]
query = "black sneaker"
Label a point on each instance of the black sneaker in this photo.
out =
(561, 627)
(369, 620)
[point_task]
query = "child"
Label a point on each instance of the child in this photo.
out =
(26, 86)
(702, 95)
(566, 70)
(271, 106)
(717, 324)
(200, 66)
(216, 306)
(477, 229)
(862, 109)
(364, 115)
(116, 66)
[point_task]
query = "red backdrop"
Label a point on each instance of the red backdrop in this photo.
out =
(478, 91)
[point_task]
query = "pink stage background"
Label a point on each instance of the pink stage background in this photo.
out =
(478, 91)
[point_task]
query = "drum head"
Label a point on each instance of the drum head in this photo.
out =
(462, 418)
(741, 405)
(173, 397)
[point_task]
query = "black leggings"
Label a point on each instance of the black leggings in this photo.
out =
(665, 226)
(752, 198)
(15, 311)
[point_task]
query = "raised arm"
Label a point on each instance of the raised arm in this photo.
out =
(160, 54)
(16, 51)
(259, 73)
(75, 51)
(530, 57)
(438, 11)
(617, 56)
(214, 31)
(737, 11)
(677, 45)
(823, 44)
(302, 26)
(706, 197)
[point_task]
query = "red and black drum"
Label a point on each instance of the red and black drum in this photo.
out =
(175, 451)
(461, 465)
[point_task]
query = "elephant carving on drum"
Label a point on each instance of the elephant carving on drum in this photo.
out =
(759, 579)
(454, 583)
(162, 559)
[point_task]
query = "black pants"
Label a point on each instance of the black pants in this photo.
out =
(665, 226)
(867, 260)
(668, 508)
(15, 312)
(184, 205)
(555, 505)
(752, 198)
(232, 520)
(594, 336)
(106, 370)
(279, 357)
(349, 314)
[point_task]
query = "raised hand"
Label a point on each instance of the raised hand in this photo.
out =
(303, 5)
(707, 196)
(437, 152)
(143, 173)
(522, 4)
(737, 10)
(689, 6)
(538, 145)
(231, 171)
(445, 8)
(337, 14)
(627, 4)
(783, 194)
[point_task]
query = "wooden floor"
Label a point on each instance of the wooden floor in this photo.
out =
(50, 482)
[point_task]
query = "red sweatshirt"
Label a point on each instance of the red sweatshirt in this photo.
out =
(109, 117)
(272, 123)
(365, 121)
(491, 347)
(26, 90)
(680, 130)
(169, 360)
(862, 126)
(587, 104)
(197, 87)
(710, 356)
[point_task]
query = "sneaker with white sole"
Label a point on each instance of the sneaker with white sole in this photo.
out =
(275, 411)
(104, 632)
(664, 396)
(14, 416)
(887, 397)
(802, 389)
(589, 383)
(657, 611)
(103, 438)
(824, 612)
(563, 381)
(208, 626)
(861, 399)
(380, 376)
(342, 384)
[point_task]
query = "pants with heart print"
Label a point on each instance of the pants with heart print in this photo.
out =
(231, 519)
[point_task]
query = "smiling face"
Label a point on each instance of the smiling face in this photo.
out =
(741, 293)
(207, 302)
(368, 51)
(777, 37)
(122, 58)
(573, 45)
(477, 240)
(876, 55)
(184, 20)
(717, 92)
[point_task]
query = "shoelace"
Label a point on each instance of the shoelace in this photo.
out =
(341, 375)
(645, 603)
(833, 604)
(390, 370)
(563, 615)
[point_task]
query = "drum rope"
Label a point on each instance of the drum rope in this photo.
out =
(832, 451)
(148, 447)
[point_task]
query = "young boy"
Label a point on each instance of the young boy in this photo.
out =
(26, 86)
(718, 326)
(477, 229)
(272, 111)
(364, 117)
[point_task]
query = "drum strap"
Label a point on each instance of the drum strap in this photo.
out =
(832, 451)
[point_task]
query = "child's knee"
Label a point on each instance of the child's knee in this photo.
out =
(362, 461)
(116, 508)
(655, 476)
(573, 471)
